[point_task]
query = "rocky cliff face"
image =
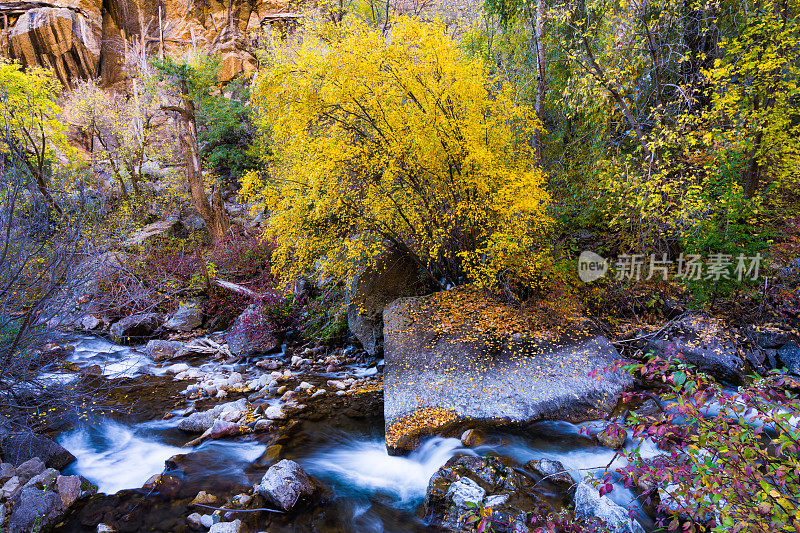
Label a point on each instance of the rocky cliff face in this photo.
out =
(82, 39)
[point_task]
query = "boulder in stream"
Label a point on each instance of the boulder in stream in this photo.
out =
(552, 472)
(285, 483)
(204, 420)
(486, 481)
(19, 448)
(442, 370)
(134, 329)
(589, 504)
(161, 350)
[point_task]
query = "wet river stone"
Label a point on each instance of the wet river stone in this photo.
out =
(450, 371)
(488, 481)
(285, 483)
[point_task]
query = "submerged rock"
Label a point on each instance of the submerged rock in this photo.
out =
(589, 504)
(449, 371)
(204, 420)
(553, 472)
(285, 483)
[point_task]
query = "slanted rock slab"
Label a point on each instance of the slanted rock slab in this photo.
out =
(442, 370)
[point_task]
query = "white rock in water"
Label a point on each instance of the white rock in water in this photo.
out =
(336, 384)
(194, 520)
(177, 368)
(589, 504)
(285, 483)
(274, 412)
(305, 385)
(465, 490)
(227, 527)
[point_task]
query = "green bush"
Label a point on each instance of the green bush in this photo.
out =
(226, 132)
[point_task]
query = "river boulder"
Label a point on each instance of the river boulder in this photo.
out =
(21, 448)
(135, 329)
(589, 504)
(706, 343)
(391, 277)
(465, 480)
(251, 333)
(161, 350)
(285, 483)
(466, 359)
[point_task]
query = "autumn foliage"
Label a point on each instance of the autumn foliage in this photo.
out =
(397, 142)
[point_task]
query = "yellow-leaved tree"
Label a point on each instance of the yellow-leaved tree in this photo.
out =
(30, 127)
(398, 141)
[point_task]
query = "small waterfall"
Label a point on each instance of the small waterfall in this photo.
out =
(114, 457)
(364, 467)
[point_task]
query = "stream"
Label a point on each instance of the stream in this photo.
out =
(371, 491)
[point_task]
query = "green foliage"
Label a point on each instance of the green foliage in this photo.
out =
(226, 132)
(323, 321)
(197, 73)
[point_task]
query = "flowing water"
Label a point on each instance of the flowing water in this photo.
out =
(371, 490)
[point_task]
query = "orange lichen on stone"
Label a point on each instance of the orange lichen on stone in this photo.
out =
(364, 387)
(488, 316)
(402, 433)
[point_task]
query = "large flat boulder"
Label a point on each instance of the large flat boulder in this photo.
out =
(706, 343)
(392, 276)
(455, 356)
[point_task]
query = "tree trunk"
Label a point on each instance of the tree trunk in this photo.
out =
(540, 82)
(215, 217)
